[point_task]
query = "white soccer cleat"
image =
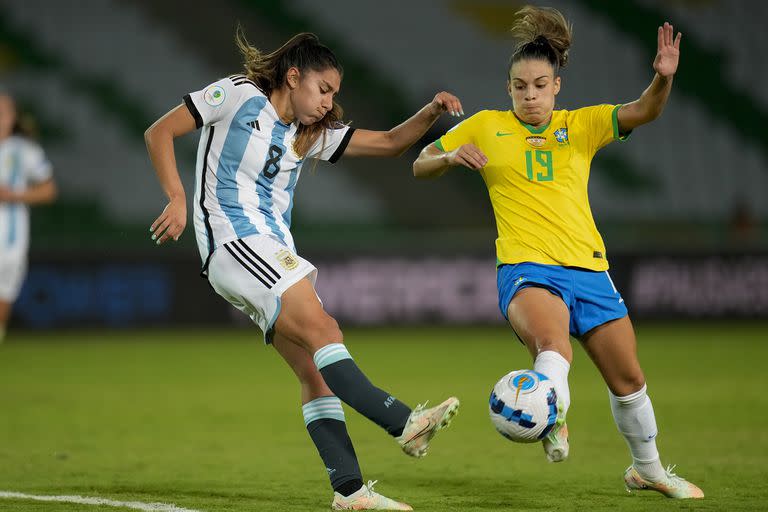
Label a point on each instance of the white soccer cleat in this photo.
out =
(423, 424)
(672, 486)
(555, 443)
(366, 499)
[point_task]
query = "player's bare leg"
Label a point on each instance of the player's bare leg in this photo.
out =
(303, 321)
(5, 314)
(540, 319)
(613, 348)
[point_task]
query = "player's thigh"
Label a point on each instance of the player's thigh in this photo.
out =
(540, 319)
(303, 366)
(254, 273)
(612, 346)
(303, 320)
(13, 270)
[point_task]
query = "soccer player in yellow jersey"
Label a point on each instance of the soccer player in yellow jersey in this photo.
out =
(552, 264)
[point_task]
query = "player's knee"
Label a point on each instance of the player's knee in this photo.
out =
(320, 330)
(629, 383)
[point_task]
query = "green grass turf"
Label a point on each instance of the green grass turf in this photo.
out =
(210, 420)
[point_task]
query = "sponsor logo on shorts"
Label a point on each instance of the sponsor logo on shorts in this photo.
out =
(287, 260)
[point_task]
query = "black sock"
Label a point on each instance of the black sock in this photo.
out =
(350, 384)
(349, 488)
(325, 423)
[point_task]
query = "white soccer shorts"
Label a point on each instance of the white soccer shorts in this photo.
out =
(252, 273)
(13, 269)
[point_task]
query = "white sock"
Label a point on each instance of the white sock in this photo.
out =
(635, 420)
(556, 367)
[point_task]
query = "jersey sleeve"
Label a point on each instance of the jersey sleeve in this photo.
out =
(601, 124)
(37, 167)
(212, 104)
(463, 133)
(331, 144)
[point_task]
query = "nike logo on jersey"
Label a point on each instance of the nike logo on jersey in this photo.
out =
(504, 134)
(254, 124)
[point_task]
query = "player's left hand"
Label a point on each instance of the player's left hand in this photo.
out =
(447, 102)
(668, 52)
(7, 195)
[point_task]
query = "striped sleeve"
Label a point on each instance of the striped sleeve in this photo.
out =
(331, 144)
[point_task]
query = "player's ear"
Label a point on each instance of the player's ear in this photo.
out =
(292, 77)
(557, 85)
(509, 87)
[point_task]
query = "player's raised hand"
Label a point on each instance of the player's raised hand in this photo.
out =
(668, 52)
(171, 223)
(468, 155)
(447, 102)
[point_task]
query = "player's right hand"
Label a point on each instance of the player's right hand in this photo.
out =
(468, 155)
(170, 223)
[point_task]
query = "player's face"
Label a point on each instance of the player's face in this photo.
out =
(313, 96)
(533, 87)
(7, 115)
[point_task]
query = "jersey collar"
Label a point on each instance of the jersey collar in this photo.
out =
(534, 129)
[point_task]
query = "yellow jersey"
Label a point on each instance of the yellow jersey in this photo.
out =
(537, 181)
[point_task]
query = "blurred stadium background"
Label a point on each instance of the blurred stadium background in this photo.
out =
(683, 206)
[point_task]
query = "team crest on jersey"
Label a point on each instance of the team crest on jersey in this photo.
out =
(536, 140)
(287, 260)
(561, 135)
(214, 95)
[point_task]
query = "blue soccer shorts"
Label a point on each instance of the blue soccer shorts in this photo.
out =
(591, 297)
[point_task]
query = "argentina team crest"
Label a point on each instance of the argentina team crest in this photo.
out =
(287, 260)
(561, 135)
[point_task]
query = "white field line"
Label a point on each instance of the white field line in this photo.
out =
(87, 500)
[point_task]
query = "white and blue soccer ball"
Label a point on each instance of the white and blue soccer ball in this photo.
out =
(523, 406)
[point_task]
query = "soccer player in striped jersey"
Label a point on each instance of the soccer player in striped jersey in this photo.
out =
(552, 268)
(258, 130)
(25, 179)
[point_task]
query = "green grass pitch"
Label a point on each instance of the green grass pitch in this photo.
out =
(210, 420)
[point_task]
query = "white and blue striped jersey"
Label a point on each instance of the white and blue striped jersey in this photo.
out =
(22, 163)
(246, 166)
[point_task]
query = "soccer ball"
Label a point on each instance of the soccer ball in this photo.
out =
(523, 406)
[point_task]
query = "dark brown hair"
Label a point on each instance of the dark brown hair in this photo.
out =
(542, 33)
(268, 71)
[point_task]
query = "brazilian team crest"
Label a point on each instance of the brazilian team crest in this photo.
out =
(561, 135)
(287, 260)
(536, 140)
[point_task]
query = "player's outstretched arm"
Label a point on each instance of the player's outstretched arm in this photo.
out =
(651, 103)
(433, 162)
(159, 139)
(39, 193)
(397, 140)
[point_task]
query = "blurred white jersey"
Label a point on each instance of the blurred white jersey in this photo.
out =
(22, 163)
(246, 167)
